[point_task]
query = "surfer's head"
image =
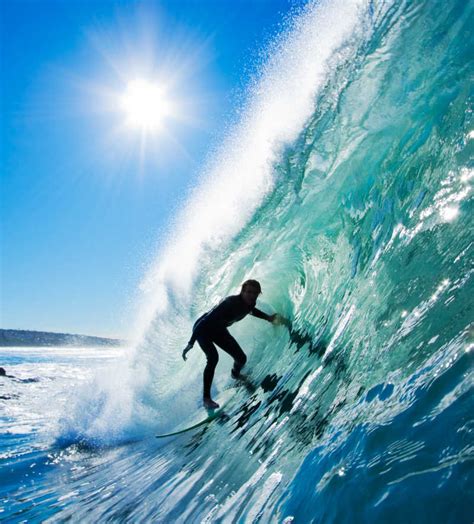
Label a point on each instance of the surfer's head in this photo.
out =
(2, 372)
(250, 291)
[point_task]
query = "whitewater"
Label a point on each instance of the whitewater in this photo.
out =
(346, 190)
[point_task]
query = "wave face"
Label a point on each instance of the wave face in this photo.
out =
(354, 211)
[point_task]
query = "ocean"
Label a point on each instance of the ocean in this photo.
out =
(346, 190)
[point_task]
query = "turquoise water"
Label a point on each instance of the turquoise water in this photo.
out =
(347, 191)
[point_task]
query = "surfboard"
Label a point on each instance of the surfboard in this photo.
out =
(211, 416)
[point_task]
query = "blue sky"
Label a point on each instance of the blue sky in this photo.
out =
(86, 198)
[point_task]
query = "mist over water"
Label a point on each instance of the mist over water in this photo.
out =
(347, 192)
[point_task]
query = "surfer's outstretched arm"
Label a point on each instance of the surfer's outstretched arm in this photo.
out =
(275, 319)
(260, 314)
(279, 320)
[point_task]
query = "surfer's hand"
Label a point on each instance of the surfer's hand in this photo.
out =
(186, 350)
(278, 320)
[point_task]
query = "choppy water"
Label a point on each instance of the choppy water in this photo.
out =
(347, 191)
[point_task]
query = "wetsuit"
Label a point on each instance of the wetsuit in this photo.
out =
(211, 329)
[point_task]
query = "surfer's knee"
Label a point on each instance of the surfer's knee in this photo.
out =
(212, 359)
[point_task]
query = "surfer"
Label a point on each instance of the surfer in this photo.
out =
(211, 329)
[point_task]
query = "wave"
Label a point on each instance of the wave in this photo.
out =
(347, 191)
(241, 174)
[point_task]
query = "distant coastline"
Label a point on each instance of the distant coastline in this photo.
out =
(26, 338)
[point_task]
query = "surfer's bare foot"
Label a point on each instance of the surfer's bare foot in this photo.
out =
(209, 403)
(235, 374)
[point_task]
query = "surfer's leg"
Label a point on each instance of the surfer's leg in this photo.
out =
(212, 358)
(228, 343)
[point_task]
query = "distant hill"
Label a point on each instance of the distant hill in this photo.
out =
(18, 337)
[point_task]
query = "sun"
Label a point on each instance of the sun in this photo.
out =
(146, 105)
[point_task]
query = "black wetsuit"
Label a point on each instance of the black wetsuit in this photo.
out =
(211, 329)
